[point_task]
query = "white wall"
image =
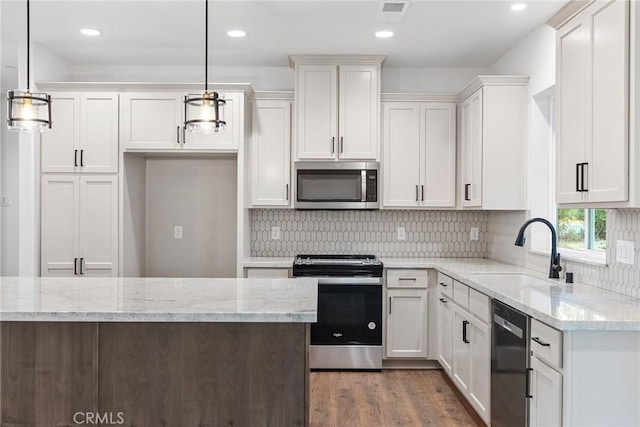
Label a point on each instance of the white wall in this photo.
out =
(394, 79)
(200, 195)
(534, 56)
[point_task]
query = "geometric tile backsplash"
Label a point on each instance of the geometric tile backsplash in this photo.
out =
(428, 233)
(622, 224)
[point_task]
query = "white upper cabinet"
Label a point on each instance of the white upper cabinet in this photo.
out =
(401, 161)
(592, 147)
(359, 112)
(493, 143)
(337, 107)
(471, 147)
(317, 111)
(270, 153)
(151, 120)
(155, 121)
(84, 134)
(419, 161)
(438, 154)
(99, 132)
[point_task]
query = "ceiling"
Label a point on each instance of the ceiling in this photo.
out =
(432, 34)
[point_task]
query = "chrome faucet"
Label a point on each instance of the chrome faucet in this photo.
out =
(554, 267)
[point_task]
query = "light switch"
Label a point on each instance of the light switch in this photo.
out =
(625, 252)
(473, 234)
(275, 233)
(402, 235)
(177, 232)
(6, 201)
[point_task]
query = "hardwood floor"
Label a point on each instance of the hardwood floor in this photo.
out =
(385, 399)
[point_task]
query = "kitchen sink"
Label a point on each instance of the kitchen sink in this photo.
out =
(517, 279)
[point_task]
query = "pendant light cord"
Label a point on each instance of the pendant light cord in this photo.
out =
(206, 45)
(28, 49)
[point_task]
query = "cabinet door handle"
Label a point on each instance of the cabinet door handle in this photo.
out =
(81, 266)
(527, 386)
(75, 158)
(464, 331)
(444, 285)
(333, 144)
(417, 198)
(286, 191)
(81, 158)
(442, 300)
(413, 279)
(389, 305)
(578, 166)
(466, 192)
(184, 134)
(537, 340)
(75, 266)
(178, 134)
(422, 189)
(584, 187)
(341, 145)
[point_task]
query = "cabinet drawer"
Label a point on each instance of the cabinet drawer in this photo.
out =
(445, 285)
(546, 343)
(479, 305)
(407, 278)
(461, 294)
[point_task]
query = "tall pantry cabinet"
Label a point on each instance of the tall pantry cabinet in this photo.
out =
(79, 193)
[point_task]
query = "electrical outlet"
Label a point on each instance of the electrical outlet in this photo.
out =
(177, 232)
(473, 234)
(6, 201)
(275, 233)
(625, 252)
(402, 235)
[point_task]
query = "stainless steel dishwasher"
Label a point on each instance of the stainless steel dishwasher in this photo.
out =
(510, 373)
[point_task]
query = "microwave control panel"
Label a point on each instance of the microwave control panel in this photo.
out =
(372, 186)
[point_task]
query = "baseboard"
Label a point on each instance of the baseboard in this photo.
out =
(410, 364)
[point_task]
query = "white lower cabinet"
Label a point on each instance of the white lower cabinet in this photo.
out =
(470, 363)
(445, 332)
(79, 230)
(406, 323)
(545, 408)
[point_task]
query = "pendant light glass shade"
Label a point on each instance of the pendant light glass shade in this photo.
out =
(204, 113)
(28, 111)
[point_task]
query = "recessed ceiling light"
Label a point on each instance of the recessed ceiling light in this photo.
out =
(236, 33)
(384, 34)
(90, 32)
(517, 7)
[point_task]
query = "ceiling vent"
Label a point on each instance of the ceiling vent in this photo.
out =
(392, 11)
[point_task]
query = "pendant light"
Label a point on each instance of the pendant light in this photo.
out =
(28, 111)
(203, 113)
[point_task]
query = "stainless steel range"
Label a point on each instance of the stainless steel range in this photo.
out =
(348, 334)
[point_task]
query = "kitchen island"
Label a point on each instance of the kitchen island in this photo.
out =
(155, 352)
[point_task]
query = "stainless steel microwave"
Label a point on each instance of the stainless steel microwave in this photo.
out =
(336, 185)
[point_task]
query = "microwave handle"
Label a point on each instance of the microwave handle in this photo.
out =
(363, 180)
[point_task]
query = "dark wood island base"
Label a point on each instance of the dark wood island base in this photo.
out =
(154, 374)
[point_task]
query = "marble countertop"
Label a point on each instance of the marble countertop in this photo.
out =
(565, 307)
(71, 299)
(268, 262)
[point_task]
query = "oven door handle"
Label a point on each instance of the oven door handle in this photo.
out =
(350, 281)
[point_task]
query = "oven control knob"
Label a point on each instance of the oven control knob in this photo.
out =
(372, 325)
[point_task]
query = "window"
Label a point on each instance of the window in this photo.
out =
(582, 229)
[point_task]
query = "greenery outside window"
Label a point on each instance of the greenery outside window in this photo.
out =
(582, 229)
